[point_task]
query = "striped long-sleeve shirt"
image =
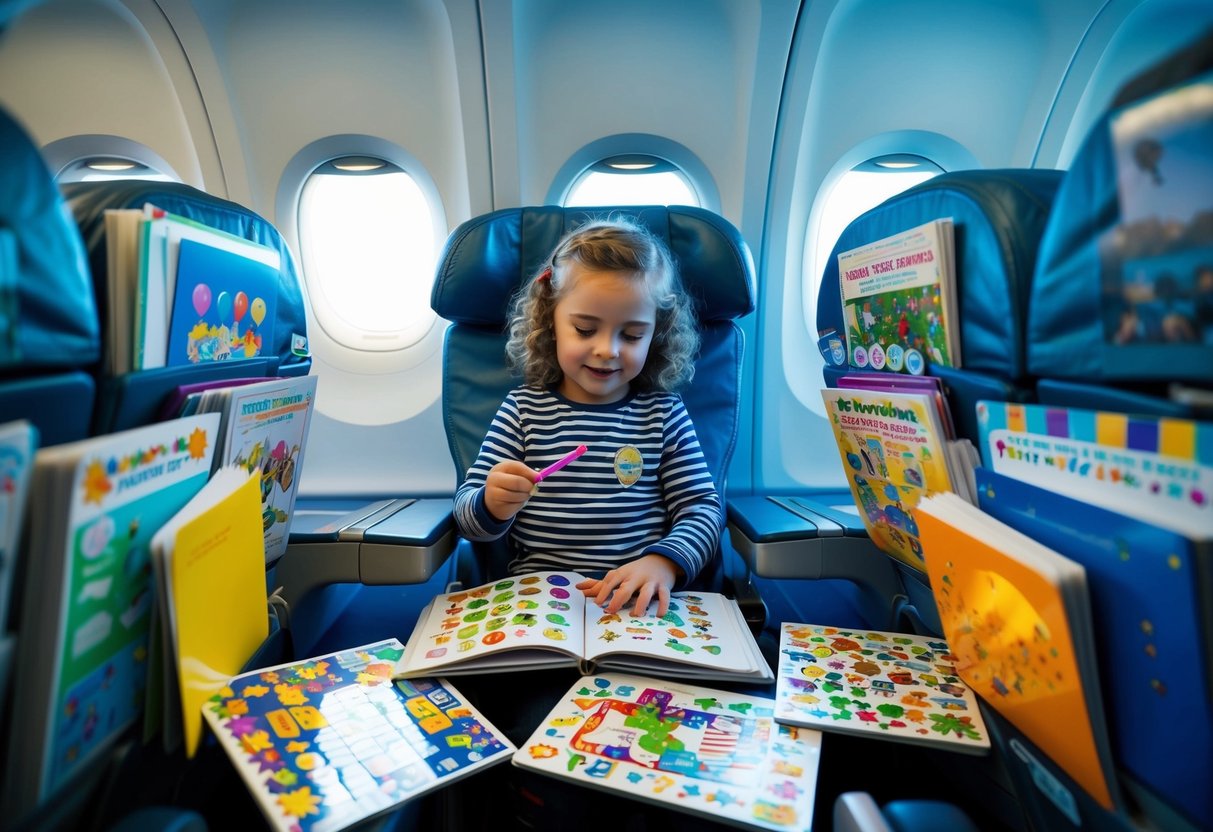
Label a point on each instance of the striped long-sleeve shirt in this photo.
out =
(642, 486)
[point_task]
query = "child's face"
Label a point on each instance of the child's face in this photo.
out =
(604, 325)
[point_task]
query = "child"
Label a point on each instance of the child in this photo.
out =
(602, 336)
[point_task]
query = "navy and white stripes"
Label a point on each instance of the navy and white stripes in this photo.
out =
(584, 517)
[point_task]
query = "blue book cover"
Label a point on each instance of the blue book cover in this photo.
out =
(1147, 607)
(223, 306)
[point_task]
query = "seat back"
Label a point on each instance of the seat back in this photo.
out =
(49, 328)
(1121, 310)
(1122, 300)
(998, 218)
(134, 398)
(489, 258)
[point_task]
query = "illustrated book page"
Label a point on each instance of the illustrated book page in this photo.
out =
(224, 306)
(893, 686)
(266, 430)
(707, 752)
(543, 620)
(330, 741)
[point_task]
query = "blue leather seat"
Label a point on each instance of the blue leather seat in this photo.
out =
(49, 332)
(488, 258)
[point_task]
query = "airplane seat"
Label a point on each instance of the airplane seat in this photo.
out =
(998, 217)
(49, 331)
(859, 812)
(50, 342)
(1121, 312)
(1120, 319)
(488, 258)
(131, 399)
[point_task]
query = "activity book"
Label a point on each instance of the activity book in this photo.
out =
(706, 752)
(329, 741)
(541, 620)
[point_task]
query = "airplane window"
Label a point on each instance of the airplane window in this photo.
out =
(635, 179)
(367, 237)
(101, 169)
(860, 189)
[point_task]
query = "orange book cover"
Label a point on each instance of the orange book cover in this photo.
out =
(1015, 616)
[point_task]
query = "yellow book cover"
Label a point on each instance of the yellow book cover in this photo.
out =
(1017, 617)
(214, 574)
(893, 452)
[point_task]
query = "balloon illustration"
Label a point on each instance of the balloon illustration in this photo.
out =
(202, 298)
(258, 310)
(223, 303)
(241, 304)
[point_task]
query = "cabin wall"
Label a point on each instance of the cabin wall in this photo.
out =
(496, 103)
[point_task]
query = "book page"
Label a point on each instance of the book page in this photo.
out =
(698, 628)
(539, 611)
(894, 686)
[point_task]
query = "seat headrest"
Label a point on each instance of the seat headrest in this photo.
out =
(488, 258)
(1119, 295)
(49, 319)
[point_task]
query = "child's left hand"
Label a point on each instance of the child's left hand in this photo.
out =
(645, 578)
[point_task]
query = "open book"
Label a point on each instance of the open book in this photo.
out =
(894, 686)
(329, 741)
(705, 752)
(540, 620)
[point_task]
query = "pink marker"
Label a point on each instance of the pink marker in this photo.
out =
(560, 463)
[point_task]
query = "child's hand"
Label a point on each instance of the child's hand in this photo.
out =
(646, 578)
(507, 488)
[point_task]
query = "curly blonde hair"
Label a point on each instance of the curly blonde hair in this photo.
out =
(616, 244)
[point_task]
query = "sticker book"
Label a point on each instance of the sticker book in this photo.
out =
(891, 686)
(330, 741)
(542, 620)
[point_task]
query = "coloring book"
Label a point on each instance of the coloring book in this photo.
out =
(542, 620)
(893, 686)
(707, 752)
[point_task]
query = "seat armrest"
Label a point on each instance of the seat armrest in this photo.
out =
(808, 538)
(386, 542)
